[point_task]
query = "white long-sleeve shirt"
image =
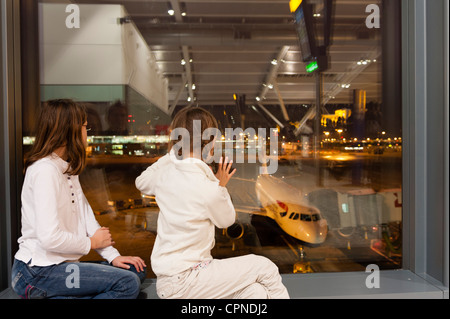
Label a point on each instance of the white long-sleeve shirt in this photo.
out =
(191, 203)
(57, 219)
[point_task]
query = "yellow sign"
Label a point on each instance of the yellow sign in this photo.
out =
(294, 4)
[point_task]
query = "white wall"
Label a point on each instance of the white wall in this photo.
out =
(100, 52)
(142, 72)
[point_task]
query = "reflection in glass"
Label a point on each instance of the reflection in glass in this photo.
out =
(335, 208)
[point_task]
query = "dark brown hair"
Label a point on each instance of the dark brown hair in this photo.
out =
(185, 119)
(60, 124)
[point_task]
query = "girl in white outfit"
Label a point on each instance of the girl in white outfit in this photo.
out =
(193, 201)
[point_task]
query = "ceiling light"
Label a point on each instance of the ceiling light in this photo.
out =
(274, 62)
(170, 10)
(183, 62)
(183, 9)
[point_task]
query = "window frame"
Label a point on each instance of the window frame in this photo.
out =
(425, 204)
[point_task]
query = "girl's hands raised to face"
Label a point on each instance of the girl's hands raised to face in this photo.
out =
(223, 172)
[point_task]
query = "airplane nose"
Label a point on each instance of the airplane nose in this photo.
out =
(315, 233)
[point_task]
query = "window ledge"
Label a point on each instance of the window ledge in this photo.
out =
(393, 284)
(400, 284)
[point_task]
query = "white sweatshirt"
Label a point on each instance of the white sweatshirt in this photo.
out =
(57, 219)
(191, 203)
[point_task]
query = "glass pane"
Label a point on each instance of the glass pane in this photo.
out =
(328, 199)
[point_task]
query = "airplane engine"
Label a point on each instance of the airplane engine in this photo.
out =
(235, 231)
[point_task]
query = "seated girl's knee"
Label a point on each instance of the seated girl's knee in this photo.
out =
(266, 263)
(141, 275)
(127, 285)
(258, 291)
(134, 285)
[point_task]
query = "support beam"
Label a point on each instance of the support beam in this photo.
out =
(188, 69)
(272, 76)
(280, 98)
(180, 90)
(273, 117)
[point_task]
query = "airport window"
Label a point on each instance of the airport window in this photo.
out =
(304, 98)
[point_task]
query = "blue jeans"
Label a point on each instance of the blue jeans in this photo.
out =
(84, 280)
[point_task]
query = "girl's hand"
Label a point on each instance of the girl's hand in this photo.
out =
(101, 239)
(124, 261)
(223, 172)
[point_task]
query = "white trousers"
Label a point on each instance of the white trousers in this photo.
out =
(246, 277)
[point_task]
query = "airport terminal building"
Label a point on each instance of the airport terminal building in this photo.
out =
(335, 112)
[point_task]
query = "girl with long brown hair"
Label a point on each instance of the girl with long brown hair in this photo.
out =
(58, 224)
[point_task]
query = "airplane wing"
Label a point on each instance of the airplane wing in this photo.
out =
(243, 196)
(253, 210)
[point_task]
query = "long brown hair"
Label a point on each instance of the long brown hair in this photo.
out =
(60, 124)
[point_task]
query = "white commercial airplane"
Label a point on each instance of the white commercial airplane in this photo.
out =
(287, 206)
